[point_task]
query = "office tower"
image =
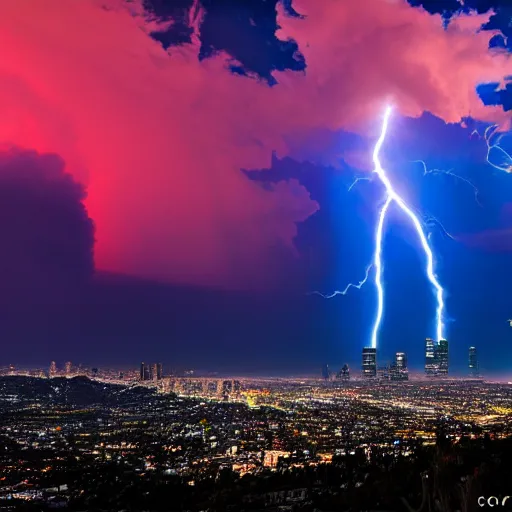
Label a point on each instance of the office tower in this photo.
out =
(53, 369)
(227, 388)
(153, 372)
(431, 364)
(159, 371)
(143, 371)
(401, 360)
(344, 373)
(473, 362)
(68, 368)
(442, 358)
(325, 372)
(12, 369)
(394, 374)
(399, 368)
(369, 363)
(436, 357)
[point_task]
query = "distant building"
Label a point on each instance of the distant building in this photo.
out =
(53, 369)
(151, 371)
(68, 367)
(436, 358)
(442, 357)
(431, 363)
(369, 366)
(473, 363)
(145, 372)
(326, 374)
(344, 373)
(399, 369)
(383, 372)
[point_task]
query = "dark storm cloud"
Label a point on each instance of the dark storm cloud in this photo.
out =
(177, 11)
(47, 236)
(245, 29)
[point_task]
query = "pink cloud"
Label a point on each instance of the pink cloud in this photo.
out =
(160, 137)
(363, 54)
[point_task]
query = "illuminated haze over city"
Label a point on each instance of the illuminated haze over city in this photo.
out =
(198, 172)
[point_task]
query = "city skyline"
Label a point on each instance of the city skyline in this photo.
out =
(437, 363)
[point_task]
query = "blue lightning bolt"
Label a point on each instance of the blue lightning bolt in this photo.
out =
(356, 181)
(449, 172)
(430, 220)
(377, 261)
(493, 138)
(393, 196)
(347, 288)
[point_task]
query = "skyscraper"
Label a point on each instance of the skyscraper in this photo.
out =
(344, 373)
(159, 371)
(68, 368)
(53, 369)
(473, 362)
(399, 368)
(325, 372)
(436, 357)
(442, 358)
(431, 364)
(144, 371)
(369, 367)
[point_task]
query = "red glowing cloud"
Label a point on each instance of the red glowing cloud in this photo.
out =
(159, 138)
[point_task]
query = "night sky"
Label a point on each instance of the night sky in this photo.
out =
(174, 180)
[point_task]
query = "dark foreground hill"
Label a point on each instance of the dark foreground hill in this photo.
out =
(75, 392)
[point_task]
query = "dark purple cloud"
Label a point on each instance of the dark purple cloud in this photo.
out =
(47, 236)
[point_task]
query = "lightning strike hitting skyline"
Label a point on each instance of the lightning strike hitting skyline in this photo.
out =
(492, 140)
(393, 196)
(377, 261)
